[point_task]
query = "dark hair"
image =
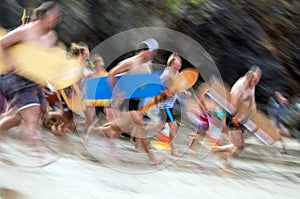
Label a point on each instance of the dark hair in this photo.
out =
(141, 47)
(44, 8)
(77, 49)
(28, 15)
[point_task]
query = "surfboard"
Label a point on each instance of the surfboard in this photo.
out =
(257, 123)
(177, 84)
(48, 67)
(74, 98)
(127, 86)
(183, 80)
(104, 102)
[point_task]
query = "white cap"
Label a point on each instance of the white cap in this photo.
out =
(150, 44)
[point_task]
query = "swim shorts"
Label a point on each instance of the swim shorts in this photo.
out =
(167, 114)
(20, 91)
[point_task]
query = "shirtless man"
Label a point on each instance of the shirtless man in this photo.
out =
(242, 97)
(243, 92)
(131, 120)
(23, 92)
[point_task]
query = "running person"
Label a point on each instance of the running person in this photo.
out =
(242, 93)
(166, 107)
(131, 120)
(23, 92)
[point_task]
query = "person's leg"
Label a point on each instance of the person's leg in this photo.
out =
(9, 120)
(191, 145)
(194, 139)
(283, 130)
(152, 127)
(136, 117)
(152, 159)
(236, 143)
(230, 148)
(141, 134)
(115, 127)
(90, 115)
(3, 103)
(93, 126)
(31, 117)
(167, 115)
(172, 133)
(109, 129)
(137, 141)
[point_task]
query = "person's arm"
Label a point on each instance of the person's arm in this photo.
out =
(122, 67)
(253, 102)
(12, 38)
(8, 40)
(165, 76)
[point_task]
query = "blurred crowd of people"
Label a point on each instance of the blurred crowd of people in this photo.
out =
(27, 104)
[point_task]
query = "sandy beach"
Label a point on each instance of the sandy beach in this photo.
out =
(97, 170)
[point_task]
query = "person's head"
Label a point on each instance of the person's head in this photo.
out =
(253, 76)
(48, 13)
(28, 16)
(174, 61)
(80, 50)
(97, 62)
(258, 73)
(86, 52)
(148, 48)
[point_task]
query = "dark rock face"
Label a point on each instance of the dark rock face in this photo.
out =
(237, 34)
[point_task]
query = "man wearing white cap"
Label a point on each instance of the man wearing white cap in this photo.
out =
(141, 62)
(131, 120)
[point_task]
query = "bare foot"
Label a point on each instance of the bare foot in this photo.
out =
(224, 149)
(176, 153)
(138, 148)
(227, 168)
(192, 152)
(157, 161)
